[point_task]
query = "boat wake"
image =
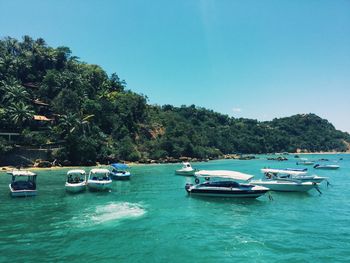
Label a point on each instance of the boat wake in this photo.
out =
(117, 211)
(113, 212)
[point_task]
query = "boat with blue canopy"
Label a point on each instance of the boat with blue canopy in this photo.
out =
(120, 171)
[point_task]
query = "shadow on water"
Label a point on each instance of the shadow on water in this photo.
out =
(229, 200)
(292, 195)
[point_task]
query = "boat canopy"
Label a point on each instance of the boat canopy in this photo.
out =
(22, 173)
(281, 171)
(120, 166)
(76, 171)
(99, 171)
(224, 174)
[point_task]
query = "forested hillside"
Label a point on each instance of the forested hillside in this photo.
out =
(49, 98)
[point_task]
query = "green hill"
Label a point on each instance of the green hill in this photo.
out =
(50, 99)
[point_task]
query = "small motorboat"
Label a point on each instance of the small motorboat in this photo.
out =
(291, 173)
(119, 171)
(99, 180)
(224, 188)
(305, 162)
(76, 181)
(327, 166)
(23, 183)
(186, 169)
(275, 182)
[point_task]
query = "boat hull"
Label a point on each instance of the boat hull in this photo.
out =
(327, 167)
(311, 179)
(185, 173)
(231, 193)
(22, 193)
(75, 188)
(99, 185)
(283, 186)
(305, 163)
(120, 176)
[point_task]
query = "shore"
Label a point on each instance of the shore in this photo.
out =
(4, 169)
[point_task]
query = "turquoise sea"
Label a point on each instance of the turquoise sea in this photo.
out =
(152, 219)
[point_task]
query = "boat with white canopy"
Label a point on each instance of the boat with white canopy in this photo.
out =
(76, 181)
(23, 183)
(99, 180)
(277, 183)
(186, 169)
(289, 173)
(224, 188)
(119, 171)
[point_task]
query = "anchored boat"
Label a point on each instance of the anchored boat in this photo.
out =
(305, 162)
(119, 171)
(327, 166)
(224, 188)
(23, 183)
(277, 183)
(76, 181)
(291, 173)
(186, 169)
(99, 180)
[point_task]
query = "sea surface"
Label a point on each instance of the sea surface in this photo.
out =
(152, 219)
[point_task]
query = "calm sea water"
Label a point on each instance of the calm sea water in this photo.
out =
(152, 219)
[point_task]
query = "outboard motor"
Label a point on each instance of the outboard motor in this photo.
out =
(188, 186)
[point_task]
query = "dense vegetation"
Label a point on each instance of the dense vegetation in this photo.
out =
(88, 116)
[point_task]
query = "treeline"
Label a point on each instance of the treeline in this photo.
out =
(51, 98)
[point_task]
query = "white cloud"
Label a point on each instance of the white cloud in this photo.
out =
(237, 110)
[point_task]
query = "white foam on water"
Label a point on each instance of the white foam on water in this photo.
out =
(117, 211)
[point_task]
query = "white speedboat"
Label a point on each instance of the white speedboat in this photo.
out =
(23, 183)
(224, 188)
(327, 166)
(276, 183)
(305, 163)
(290, 173)
(285, 185)
(99, 180)
(120, 172)
(76, 181)
(186, 169)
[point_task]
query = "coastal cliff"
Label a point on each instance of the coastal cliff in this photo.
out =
(81, 115)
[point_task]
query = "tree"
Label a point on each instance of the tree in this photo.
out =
(14, 92)
(20, 113)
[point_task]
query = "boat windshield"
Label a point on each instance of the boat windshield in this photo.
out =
(21, 184)
(228, 184)
(76, 178)
(100, 176)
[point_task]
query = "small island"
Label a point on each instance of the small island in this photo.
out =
(63, 111)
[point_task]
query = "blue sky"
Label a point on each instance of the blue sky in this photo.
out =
(255, 59)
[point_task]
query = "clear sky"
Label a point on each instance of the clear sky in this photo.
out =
(257, 59)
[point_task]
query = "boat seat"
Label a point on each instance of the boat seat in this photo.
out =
(23, 185)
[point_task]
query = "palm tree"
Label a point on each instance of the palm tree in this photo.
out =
(13, 91)
(74, 122)
(67, 124)
(83, 123)
(19, 113)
